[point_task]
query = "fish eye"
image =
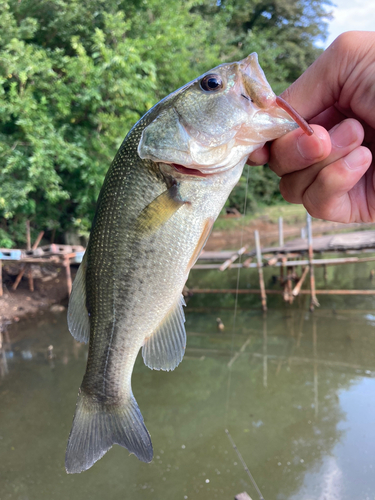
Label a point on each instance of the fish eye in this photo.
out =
(211, 83)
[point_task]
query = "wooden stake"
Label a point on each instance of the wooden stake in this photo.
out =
(68, 275)
(247, 262)
(38, 240)
(19, 277)
(23, 268)
(232, 259)
(28, 247)
(1, 278)
(289, 284)
(28, 240)
(297, 288)
(281, 232)
(260, 271)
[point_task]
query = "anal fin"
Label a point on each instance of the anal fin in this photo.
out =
(165, 348)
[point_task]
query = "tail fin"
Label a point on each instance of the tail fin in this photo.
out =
(96, 427)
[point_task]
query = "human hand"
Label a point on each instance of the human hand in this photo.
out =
(331, 173)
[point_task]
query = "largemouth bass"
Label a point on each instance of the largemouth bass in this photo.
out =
(164, 190)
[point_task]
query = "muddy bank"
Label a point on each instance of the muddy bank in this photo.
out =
(47, 295)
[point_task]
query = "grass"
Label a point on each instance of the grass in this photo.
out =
(291, 214)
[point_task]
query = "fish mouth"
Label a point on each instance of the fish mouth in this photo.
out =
(189, 171)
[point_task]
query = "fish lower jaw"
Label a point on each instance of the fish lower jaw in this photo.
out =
(206, 171)
(189, 171)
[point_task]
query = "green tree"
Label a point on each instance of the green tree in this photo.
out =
(283, 32)
(68, 100)
(75, 75)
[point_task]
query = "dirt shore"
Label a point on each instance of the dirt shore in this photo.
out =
(15, 305)
(52, 294)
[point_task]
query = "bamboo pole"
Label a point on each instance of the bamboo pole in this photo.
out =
(272, 261)
(297, 288)
(313, 301)
(281, 232)
(289, 284)
(23, 268)
(28, 240)
(247, 262)
(260, 271)
(265, 357)
(284, 263)
(1, 278)
(38, 240)
(232, 259)
(249, 291)
(28, 247)
(68, 275)
(325, 275)
(19, 277)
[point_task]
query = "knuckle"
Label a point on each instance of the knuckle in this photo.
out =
(346, 41)
(287, 191)
(316, 208)
(313, 207)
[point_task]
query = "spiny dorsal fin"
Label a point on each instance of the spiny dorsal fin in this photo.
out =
(165, 348)
(78, 317)
(159, 211)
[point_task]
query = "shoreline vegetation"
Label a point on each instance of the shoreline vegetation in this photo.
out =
(76, 76)
(228, 233)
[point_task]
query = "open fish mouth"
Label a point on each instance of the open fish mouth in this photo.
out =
(189, 171)
(279, 103)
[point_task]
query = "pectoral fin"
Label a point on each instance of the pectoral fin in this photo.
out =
(159, 211)
(165, 348)
(201, 242)
(78, 316)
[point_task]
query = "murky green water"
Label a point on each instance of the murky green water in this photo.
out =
(296, 391)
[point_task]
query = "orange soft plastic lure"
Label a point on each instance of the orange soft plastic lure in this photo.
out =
(295, 115)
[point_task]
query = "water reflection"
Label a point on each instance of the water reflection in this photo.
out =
(295, 390)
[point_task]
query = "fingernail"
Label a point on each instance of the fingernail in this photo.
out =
(343, 135)
(310, 147)
(357, 158)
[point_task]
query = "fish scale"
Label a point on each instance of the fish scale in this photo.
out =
(162, 193)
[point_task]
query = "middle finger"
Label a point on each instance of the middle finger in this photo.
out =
(345, 137)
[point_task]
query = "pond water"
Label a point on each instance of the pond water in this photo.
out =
(295, 389)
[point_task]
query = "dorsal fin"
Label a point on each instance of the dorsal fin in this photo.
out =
(165, 348)
(78, 316)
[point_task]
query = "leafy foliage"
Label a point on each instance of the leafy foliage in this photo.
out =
(75, 75)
